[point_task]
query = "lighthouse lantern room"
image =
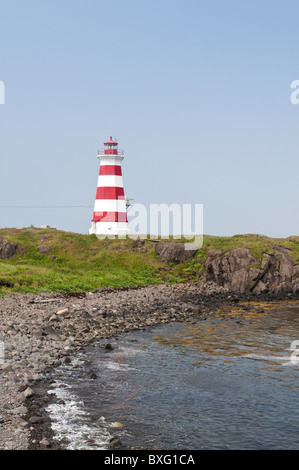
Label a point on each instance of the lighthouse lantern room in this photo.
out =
(110, 212)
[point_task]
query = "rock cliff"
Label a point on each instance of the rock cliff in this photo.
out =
(239, 271)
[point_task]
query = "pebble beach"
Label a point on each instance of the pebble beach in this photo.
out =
(41, 332)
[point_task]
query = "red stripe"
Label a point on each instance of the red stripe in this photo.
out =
(110, 217)
(110, 170)
(110, 192)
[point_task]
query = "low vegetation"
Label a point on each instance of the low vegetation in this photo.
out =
(75, 262)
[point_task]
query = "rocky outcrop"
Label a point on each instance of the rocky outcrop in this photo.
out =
(239, 271)
(7, 249)
(172, 252)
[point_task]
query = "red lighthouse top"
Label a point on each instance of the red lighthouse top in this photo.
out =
(110, 147)
(111, 142)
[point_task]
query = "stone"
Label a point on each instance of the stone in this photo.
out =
(114, 442)
(117, 424)
(66, 360)
(36, 420)
(20, 410)
(214, 253)
(45, 442)
(43, 249)
(63, 311)
(54, 318)
(28, 393)
(7, 249)
(173, 252)
(51, 333)
(69, 341)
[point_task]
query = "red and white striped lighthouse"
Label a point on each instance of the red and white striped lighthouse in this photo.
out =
(110, 211)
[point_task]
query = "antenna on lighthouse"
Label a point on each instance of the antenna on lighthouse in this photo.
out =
(129, 204)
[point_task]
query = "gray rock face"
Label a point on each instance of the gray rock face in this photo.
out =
(239, 271)
(231, 270)
(172, 252)
(7, 249)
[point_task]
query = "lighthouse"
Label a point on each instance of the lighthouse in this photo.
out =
(110, 211)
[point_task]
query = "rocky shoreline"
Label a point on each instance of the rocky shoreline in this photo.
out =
(41, 332)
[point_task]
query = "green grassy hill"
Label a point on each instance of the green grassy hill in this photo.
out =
(77, 263)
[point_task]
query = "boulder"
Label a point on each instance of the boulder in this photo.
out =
(7, 249)
(43, 249)
(172, 252)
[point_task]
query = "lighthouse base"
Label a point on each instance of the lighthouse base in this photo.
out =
(109, 228)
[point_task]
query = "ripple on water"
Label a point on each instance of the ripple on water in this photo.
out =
(226, 382)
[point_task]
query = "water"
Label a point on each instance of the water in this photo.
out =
(229, 381)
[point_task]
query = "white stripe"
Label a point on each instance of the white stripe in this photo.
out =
(110, 228)
(110, 205)
(110, 159)
(110, 180)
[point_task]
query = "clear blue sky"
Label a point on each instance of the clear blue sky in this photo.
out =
(197, 92)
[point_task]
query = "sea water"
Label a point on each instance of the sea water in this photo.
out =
(229, 380)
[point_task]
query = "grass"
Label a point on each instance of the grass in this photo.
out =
(75, 263)
(79, 263)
